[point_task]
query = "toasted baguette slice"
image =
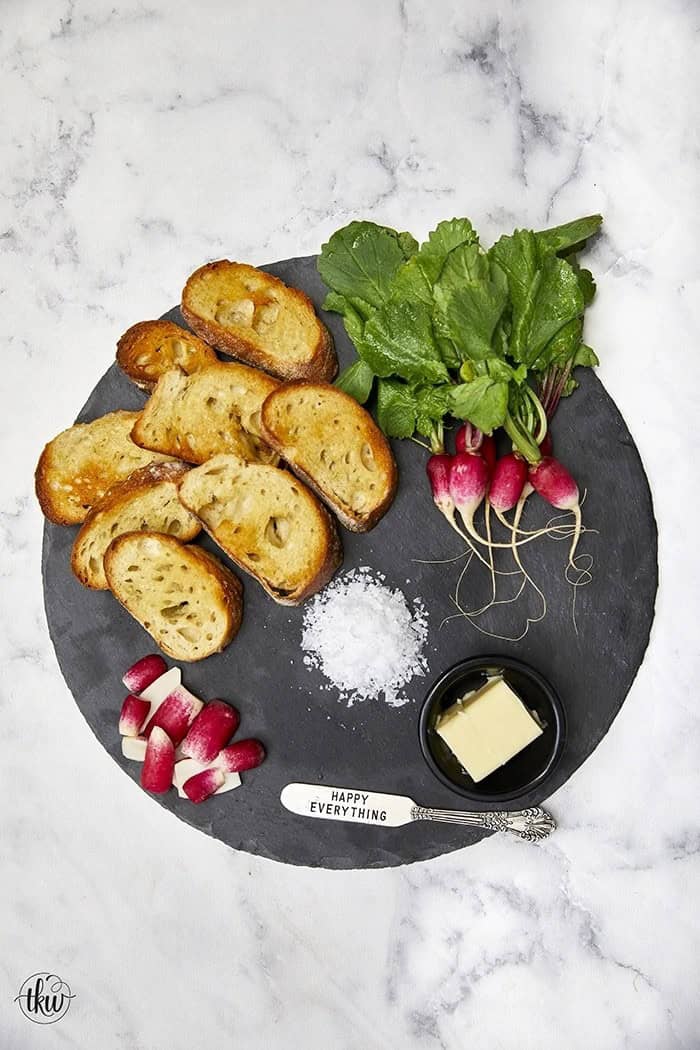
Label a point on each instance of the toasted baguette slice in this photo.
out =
(268, 522)
(216, 410)
(336, 447)
(146, 501)
(80, 464)
(182, 595)
(149, 349)
(256, 317)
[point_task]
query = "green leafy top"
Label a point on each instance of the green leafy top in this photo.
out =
(361, 260)
(447, 328)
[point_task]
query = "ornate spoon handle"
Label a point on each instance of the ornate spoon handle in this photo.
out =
(530, 824)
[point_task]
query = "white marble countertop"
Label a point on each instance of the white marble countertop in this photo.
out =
(142, 137)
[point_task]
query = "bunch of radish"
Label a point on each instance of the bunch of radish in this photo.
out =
(181, 741)
(473, 476)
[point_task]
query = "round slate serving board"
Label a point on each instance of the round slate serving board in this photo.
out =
(309, 733)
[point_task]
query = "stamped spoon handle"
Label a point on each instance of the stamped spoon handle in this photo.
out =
(529, 824)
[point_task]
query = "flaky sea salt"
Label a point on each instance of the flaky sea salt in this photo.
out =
(365, 638)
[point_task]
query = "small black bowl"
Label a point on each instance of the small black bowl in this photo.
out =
(527, 770)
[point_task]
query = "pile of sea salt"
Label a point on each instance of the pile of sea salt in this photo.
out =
(365, 638)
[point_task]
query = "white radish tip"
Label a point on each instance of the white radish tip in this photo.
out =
(134, 748)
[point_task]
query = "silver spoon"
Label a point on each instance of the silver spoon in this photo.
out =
(392, 811)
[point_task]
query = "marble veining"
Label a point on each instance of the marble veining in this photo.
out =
(140, 139)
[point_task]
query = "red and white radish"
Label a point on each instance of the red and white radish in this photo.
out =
(175, 714)
(202, 785)
(552, 481)
(158, 763)
(507, 482)
(157, 691)
(237, 758)
(182, 736)
(144, 672)
(133, 714)
(468, 485)
(188, 767)
(438, 469)
(211, 730)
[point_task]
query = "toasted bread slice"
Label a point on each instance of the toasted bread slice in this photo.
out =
(149, 349)
(80, 464)
(182, 595)
(268, 522)
(216, 410)
(336, 447)
(146, 501)
(251, 315)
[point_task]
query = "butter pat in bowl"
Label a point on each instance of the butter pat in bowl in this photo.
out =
(492, 729)
(487, 728)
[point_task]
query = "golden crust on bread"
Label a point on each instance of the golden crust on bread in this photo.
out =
(216, 410)
(149, 349)
(78, 466)
(251, 315)
(146, 501)
(189, 602)
(268, 522)
(334, 445)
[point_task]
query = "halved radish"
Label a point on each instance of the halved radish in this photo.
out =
(236, 758)
(211, 730)
(175, 714)
(159, 762)
(134, 713)
(202, 785)
(144, 672)
(162, 687)
(189, 767)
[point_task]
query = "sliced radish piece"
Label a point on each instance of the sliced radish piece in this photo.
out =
(134, 748)
(175, 714)
(159, 762)
(162, 687)
(133, 714)
(189, 767)
(202, 785)
(211, 730)
(144, 672)
(236, 758)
